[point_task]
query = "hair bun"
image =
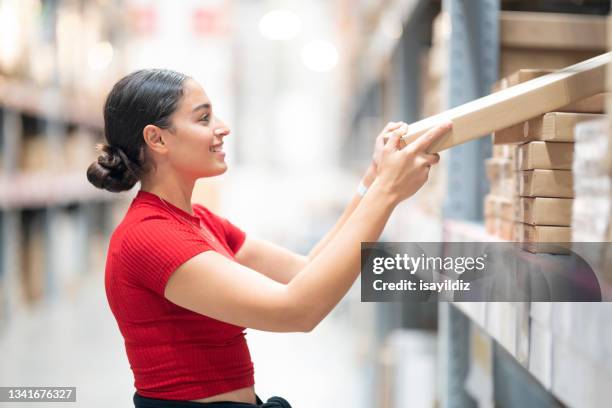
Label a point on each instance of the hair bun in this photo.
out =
(113, 170)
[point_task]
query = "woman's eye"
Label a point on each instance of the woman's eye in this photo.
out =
(205, 118)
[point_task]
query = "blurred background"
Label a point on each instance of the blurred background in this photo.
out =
(305, 87)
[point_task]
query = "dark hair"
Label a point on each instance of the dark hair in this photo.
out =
(144, 97)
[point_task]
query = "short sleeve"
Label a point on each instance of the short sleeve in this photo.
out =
(154, 248)
(234, 236)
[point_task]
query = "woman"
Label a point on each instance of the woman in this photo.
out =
(184, 283)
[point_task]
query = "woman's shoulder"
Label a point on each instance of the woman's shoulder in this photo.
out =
(205, 214)
(142, 222)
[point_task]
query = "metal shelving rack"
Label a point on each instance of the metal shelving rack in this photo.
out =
(48, 195)
(473, 55)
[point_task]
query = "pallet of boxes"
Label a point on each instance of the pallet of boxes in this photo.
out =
(530, 173)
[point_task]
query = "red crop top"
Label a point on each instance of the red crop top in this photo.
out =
(173, 352)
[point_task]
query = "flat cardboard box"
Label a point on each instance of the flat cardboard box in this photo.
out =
(516, 104)
(543, 233)
(550, 127)
(546, 183)
(514, 59)
(592, 104)
(543, 238)
(549, 31)
(545, 211)
(545, 155)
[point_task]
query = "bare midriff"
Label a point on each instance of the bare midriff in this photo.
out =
(246, 395)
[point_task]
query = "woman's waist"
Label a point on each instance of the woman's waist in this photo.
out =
(178, 388)
(245, 395)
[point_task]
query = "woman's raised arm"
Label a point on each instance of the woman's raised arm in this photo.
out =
(215, 286)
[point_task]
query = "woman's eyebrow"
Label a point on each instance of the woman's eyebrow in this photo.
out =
(202, 106)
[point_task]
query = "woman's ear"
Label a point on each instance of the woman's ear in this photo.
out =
(153, 137)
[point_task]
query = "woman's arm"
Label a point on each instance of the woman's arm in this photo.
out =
(283, 265)
(269, 259)
(213, 285)
(367, 180)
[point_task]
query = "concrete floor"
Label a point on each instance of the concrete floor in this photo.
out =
(76, 343)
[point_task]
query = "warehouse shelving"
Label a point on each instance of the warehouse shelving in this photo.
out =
(54, 223)
(51, 103)
(532, 355)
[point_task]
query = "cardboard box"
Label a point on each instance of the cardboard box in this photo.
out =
(542, 233)
(514, 59)
(498, 168)
(592, 104)
(549, 31)
(514, 105)
(543, 238)
(505, 187)
(545, 211)
(500, 207)
(545, 155)
(501, 176)
(546, 183)
(79, 149)
(35, 154)
(33, 260)
(504, 152)
(551, 127)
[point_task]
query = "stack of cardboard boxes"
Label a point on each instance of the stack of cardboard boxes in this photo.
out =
(535, 40)
(530, 173)
(548, 40)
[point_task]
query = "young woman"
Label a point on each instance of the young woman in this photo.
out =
(182, 282)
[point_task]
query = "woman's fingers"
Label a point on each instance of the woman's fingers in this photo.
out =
(432, 158)
(383, 137)
(392, 126)
(428, 160)
(392, 142)
(424, 141)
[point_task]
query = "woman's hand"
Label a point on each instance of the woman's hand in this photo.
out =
(402, 172)
(379, 143)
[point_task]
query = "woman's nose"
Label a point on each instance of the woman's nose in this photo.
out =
(221, 130)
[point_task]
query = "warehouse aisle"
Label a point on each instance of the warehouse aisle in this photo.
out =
(76, 343)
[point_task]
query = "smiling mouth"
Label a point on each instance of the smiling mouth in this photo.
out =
(216, 148)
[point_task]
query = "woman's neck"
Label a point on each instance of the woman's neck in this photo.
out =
(176, 193)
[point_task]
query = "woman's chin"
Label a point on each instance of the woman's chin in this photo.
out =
(220, 169)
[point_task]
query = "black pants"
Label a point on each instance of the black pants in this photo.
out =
(144, 402)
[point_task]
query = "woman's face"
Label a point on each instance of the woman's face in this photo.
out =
(195, 147)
